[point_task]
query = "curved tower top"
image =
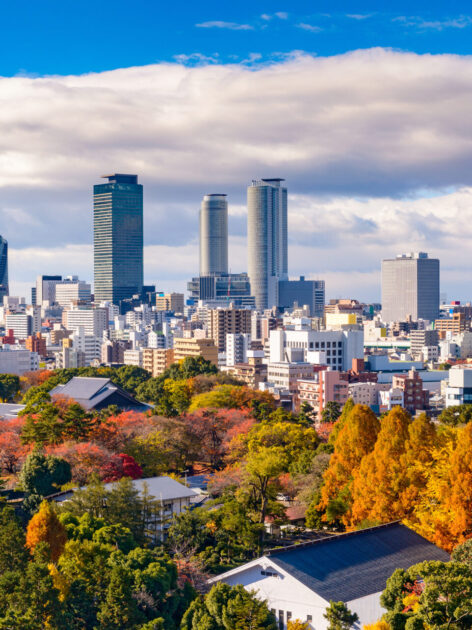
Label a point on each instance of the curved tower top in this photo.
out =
(214, 235)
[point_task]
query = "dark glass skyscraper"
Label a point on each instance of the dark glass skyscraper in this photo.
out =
(118, 238)
(3, 267)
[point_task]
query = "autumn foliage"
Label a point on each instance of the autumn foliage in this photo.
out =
(45, 527)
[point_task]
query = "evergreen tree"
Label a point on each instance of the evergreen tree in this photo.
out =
(339, 616)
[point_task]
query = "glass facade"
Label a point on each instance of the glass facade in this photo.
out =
(3, 267)
(267, 239)
(214, 235)
(118, 238)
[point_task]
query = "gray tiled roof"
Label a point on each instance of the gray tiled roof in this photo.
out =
(350, 566)
(164, 488)
(9, 411)
(90, 392)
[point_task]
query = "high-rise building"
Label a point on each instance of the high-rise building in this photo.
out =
(410, 287)
(118, 238)
(303, 292)
(46, 289)
(222, 321)
(170, 302)
(3, 267)
(267, 239)
(71, 289)
(213, 235)
(223, 288)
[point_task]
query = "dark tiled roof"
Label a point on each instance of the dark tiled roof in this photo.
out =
(90, 392)
(349, 566)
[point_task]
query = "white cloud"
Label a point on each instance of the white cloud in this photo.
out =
(462, 21)
(358, 137)
(309, 27)
(232, 26)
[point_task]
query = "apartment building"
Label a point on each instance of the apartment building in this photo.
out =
(192, 347)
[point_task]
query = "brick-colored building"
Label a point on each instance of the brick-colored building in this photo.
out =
(191, 347)
(36, 343)
(223, 321)
(411, 384)
(157, 360)
(253, 372)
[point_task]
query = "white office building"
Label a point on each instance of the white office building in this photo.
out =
(17, 360)
(237, 345)
(71, 289)
(410, 288)
(335, 348)
(93, 321)
(459, 388)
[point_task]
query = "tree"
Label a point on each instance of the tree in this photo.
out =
(378, 625)
(87, 459)
(355, 439)
(296, 624)
(13, 554)
(331, 412)
(119, 609)
(9, 387)
(430, 594)
(228, 608)
(378, 481)
(45, 527)
(456, 415)
(42, 474)
(339, 616)
(463, 553)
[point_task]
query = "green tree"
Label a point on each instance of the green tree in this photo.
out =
(119, 609)
(13, 553)
(463, 553)
(430, 594)
(42, 474)
(228, 608)
(339, 616)
(331, 412)
(9, 387)
(456, 415)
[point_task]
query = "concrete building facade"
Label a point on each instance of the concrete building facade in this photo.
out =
(410, 287)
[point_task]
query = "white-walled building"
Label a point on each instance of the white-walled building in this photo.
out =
(340, 347)
(93, 321)
(133, 357)
(17, 360)
(298, 582)
(459, 388)
(20, 323)
(71, 289)
(285, 376)
(237, 345)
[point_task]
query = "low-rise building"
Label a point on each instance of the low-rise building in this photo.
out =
(298, 582)
(191, 347)
(285, 376)
(459, 388)
(17, 360)
(411, 384)
(157, 360)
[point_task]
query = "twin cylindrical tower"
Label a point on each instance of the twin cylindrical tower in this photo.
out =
(214, 235)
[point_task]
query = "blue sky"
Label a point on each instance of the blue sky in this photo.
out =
(364, 108)
(77, 36)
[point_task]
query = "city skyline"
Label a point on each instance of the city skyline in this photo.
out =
(368, 170)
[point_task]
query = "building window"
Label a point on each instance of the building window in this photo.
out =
(309, 618)
(289, 615)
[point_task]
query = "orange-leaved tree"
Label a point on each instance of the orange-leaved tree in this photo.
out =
(417, 461)
(45, 527)
(355, 440)
(380, 478)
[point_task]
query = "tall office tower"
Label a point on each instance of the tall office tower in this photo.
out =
(46, 289)
(410, 287)
(267, 239)
(3, 267)
(118, 238)
(213, 235)
(303, 292)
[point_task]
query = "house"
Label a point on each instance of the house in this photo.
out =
(299, 581)
(173, 498)
(98, 393)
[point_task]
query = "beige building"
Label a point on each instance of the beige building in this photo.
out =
(157, 360)
(170, 302)
(192, 347)
(223, 321)
(253, 372)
